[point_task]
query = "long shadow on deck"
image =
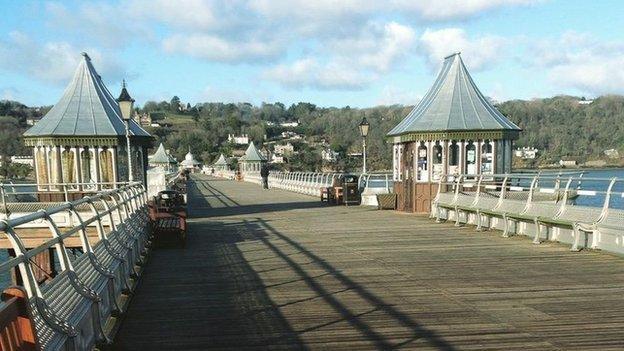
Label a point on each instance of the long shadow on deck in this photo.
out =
(206, 296)
(209, 296)
(200, 206)
(263, 230)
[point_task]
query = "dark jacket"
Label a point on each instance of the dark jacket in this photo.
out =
(264, 171)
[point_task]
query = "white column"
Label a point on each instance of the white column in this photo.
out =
(113, 151)
(462, 156)
(494, 156)
(429, 145)
(445, 153)
(98, 176)
(77, 164)
(479, 155)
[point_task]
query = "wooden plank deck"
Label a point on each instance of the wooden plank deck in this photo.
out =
(277, 270)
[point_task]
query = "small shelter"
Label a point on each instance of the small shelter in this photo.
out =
(189, 162)
(162, 159)
(220, 164)
(252, 160)
(453, 130)
(82, 139)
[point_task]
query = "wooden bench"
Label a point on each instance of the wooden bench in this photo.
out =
(17, 331)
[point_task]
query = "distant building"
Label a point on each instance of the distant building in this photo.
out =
(612, 153)
(25, 160)
(31, 121)
(238, 140)
(289, 124)
(161, 158)
(281, 150)
(277, 159)
(291, 135)
(252, 160)
(527, 153)
(190, 163)
(329, 155)
(568, 163)
(584, 102)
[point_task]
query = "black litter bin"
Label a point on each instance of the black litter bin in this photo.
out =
(351, 190)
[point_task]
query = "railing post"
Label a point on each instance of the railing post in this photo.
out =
(4, 201)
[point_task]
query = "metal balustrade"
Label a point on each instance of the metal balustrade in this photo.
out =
(311, 183)
(570, 208)
(75, 309)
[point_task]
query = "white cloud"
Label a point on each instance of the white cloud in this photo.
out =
(194, 14)
(455, 9)
(350, 63)
(219, 49)
(476, 53)
(377, 47)
(97, 22)
(427, 9)
(310, 73)
(580, 61)
(52, 62)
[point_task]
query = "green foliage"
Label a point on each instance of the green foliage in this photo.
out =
(561, 127)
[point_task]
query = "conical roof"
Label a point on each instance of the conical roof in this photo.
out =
(252, 154)
(221, 161)
(86, 108)
(160, 156)
(454, 103)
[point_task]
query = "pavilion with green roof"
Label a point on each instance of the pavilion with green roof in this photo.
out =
(162, 159)
(252, 160)
(220, 164)
(453, 130)
(82, 139)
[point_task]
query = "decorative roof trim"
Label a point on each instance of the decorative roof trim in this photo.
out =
(83, 140)
(456, 135)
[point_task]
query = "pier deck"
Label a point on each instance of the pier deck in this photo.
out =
(278, 270)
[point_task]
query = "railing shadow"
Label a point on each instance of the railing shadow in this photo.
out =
(205, 296)
(263, 230)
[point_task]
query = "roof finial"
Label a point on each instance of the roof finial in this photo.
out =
(86, 56)
(123, 84)
(457, 53)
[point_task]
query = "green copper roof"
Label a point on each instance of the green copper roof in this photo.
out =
(161, 156)
(252, 154)
(86, 108)
(454, 103)
(221, 161)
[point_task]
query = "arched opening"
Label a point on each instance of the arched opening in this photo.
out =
(422, 168)
(55, 176)
(68, 165)
(106, 167)
(87, 163)
(42, 167)
(438, 166)
(471, 158)
(487, 158)
(453, 158)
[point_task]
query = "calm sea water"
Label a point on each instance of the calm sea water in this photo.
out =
(589, 183)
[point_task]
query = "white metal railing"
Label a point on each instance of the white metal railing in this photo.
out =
(562, 207)
(311, 183)
(71, 309)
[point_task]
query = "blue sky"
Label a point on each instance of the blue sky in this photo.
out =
(331, 53)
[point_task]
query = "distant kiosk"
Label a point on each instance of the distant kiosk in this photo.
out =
(82, 139)
(252, 160)
(452, 130)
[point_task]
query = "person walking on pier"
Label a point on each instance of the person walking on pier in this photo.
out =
(264, 173)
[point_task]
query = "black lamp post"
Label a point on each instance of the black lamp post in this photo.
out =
(126, 104)
(364, 132)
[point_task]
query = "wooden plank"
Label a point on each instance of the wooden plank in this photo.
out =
(278, 270)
